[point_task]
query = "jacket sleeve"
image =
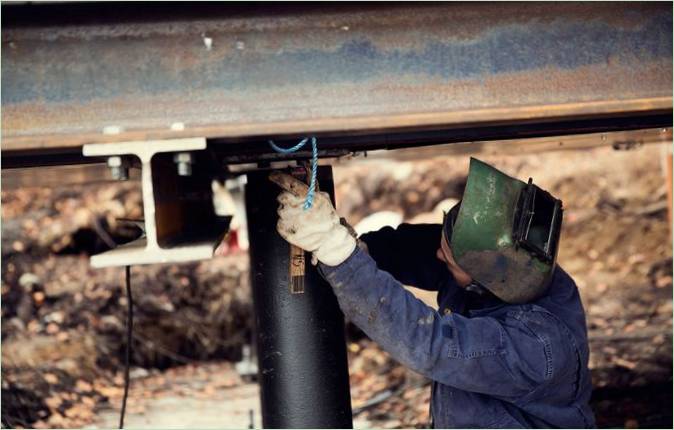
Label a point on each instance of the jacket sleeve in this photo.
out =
(408, 253)
(478, 354)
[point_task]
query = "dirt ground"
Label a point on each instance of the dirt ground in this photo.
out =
(63, 322)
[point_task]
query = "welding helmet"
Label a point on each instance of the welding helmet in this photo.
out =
(505, 234)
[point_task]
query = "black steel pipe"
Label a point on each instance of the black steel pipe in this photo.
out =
(303, 371)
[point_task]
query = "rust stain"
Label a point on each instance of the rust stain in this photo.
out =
(344, 97)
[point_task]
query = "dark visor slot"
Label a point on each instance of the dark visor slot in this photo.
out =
(538, 221)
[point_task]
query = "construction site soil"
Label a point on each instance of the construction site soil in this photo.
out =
(63, 323)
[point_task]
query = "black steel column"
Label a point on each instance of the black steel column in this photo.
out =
(303, 371)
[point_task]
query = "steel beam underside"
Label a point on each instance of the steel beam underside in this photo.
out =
(76, 74)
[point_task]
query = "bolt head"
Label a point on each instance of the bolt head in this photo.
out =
(183, 157)
(115, 161)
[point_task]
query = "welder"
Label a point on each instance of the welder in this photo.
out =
(507, 346)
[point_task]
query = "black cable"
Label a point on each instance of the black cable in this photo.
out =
(129, 336)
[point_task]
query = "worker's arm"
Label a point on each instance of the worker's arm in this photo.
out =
(479, 354)
(408, 253)
(476, 354)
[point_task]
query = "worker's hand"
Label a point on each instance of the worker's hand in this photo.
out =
(316, 229)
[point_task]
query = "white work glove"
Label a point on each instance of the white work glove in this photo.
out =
(316, 229)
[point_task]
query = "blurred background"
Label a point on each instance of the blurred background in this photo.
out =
(194, 365)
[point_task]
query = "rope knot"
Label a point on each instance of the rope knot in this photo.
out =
(309, 201)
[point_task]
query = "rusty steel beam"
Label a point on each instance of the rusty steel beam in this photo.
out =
(17, 171)
(619, 140)
(76, 74)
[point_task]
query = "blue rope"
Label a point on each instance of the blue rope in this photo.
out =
(309, 201)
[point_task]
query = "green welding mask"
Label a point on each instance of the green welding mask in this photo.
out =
(505, 233)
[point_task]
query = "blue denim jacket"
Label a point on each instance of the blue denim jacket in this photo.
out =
(493, 364)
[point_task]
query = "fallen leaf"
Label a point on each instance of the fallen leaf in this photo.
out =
(88, 401)
(82, 385)
(663, 282)
(51, 378)
(56, 420)
(38, 298)
(53, 402)
(624, 363)
(39, 424)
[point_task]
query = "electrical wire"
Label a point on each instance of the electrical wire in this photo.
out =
(129, 337)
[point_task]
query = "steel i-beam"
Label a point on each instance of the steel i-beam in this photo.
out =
(180, 223)
(303, 372)
(77, 73)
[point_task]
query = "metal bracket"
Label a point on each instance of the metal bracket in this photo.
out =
(180, 222)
